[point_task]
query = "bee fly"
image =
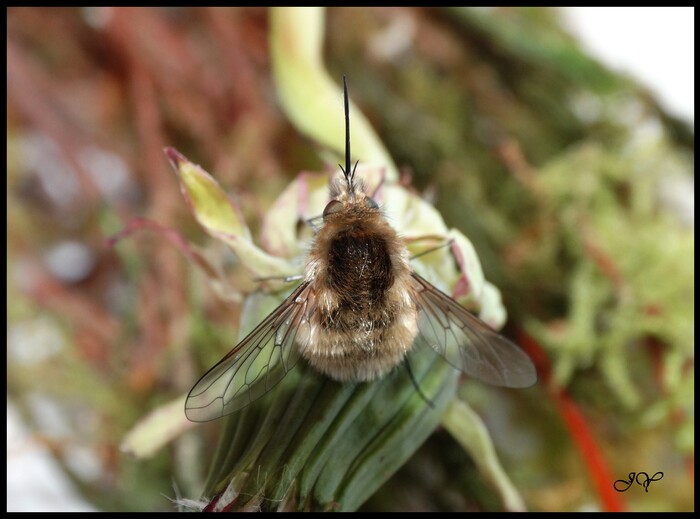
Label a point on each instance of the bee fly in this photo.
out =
(355, 315)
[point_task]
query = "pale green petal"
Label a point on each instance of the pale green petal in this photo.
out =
(217, 215)
(156, 429)
(310, 98)
(466, 427)
(303, 199)
(492, 310)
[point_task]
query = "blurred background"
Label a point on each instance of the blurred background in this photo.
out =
(560, 142)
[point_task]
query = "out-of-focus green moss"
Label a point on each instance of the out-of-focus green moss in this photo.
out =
(631, 269)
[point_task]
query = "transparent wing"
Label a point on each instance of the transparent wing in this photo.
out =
(468, 343)
(253, 366)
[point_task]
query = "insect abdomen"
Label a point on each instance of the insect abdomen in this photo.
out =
(359, 269)
(364, 324)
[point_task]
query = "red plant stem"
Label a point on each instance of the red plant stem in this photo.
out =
(140, 224)
(37, 104)
(575, 423)
(590, 452)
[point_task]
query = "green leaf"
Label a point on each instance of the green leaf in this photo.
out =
(466, 427)
(156, 429)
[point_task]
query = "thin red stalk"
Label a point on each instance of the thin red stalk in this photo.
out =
(36, 104)
(162, 186)
(139, 224)
(578, 428)
(94, 329)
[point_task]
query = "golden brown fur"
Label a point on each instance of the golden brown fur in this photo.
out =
(365, 320)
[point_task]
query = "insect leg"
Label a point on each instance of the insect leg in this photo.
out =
(415, 383)
(433, 249)
(286, 279)
(312, 222)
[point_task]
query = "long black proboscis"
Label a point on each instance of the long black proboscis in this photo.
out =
(348, 172)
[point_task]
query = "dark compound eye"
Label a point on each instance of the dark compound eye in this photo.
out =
(333, 207)
(371, 203)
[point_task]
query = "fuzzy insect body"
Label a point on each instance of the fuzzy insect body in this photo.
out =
(364, 320)
(358, 311)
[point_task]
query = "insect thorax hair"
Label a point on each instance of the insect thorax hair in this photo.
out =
(343, 188)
